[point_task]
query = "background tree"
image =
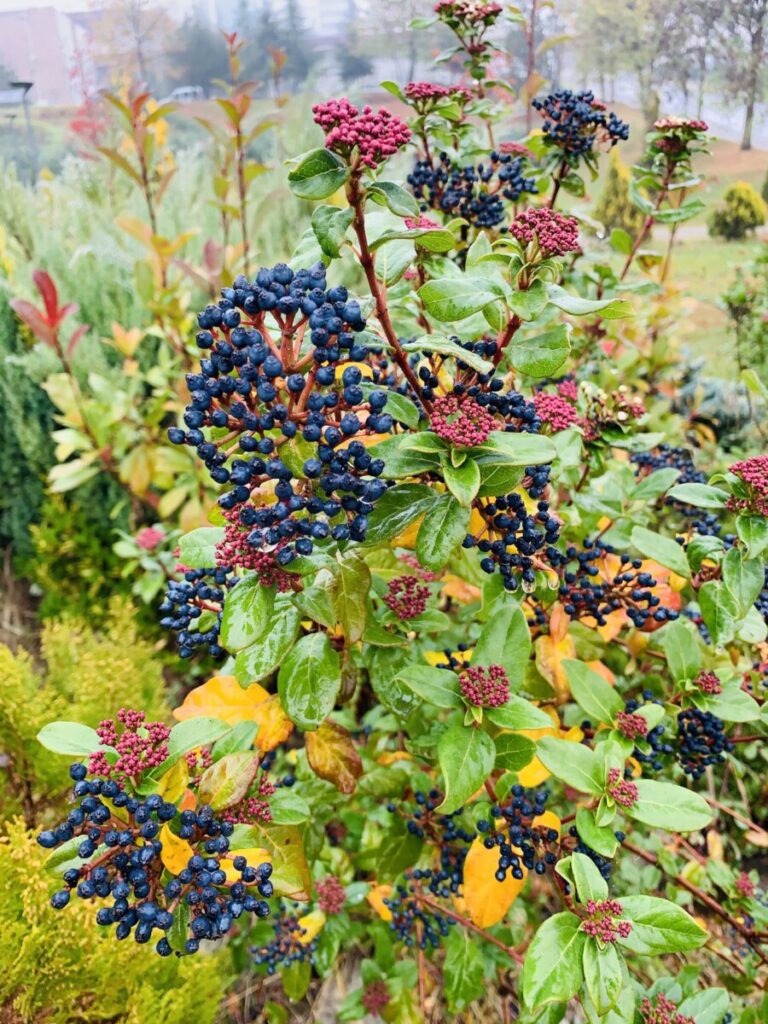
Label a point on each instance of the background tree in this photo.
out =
(743, 39)
(133, 38)
(200, 55)
(353, 62)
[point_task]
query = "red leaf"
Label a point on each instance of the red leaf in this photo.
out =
(46, 287)
(34, 319)
(74, 341)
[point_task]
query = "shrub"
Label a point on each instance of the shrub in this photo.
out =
(615, 208)
(67, 971)
(744, 210)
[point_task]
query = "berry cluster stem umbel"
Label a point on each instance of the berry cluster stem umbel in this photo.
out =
(356, 199)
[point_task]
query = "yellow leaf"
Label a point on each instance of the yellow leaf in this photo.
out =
(364, 368)
(407, 539)
(547, 820)
(486, 899)
(439, 657)
(274, 725)
(176, 852)
(172, 785)
(223, 697)
(312, 924)
(715, 847)
(550, 655)
(376, 898)
(459, 589)
(603, 670)
(390, 756)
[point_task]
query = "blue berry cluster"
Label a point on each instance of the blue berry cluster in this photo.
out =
(119, 836)
(603, 865)
(287, 946)
(574, 121)
(701, 741)
(666, 456)
(443, 831)
(521, 844)
(475, 193)
(256, 392)
(413, 922)
(630, 589)
(192, 609)
(514, 536)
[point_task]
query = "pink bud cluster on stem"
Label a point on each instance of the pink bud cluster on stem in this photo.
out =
(376, 135)
(461, 422)
(486, 687)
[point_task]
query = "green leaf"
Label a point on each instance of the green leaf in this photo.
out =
(248, 613)
(651, 487)
(200, 731)
(513, 752)
(197, 549)
(542, 355)
(705, 1007)
(432, 239)
(466, 757)
(259, 660)
(553, 968)
(330, 225)
(516, 449)
(659, 926)
(449, 299)
(349, 594)
(236, 740)
(719, 611)
(399, 406)
(309, 681)
(396, 509)
(590, 884)
(591, 692)
(663, 550)
(227, 781)
(402, 459)
(400, 202)
(734, 705)
(682, 650)
(518, 713)
(463, 970)
(296, 978)
(317, 175)
(574, 305)
(505, 640)
(602, 975)
(462, 481)
(529, 302)
(665, 805)
(69, 738)
(447, 347)
(699, 495)
(600, 838)
(436, 686)
(574, 764)
(178, 933)
(743, 578)
(289, 808)
(443, 529)
(621, 241)
(753, 533)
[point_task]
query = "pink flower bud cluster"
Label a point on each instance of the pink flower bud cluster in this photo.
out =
(376, 134)
(745, 885)
(141, 745)
(375, 997)
(602, 923)
(425, 574)
(331, 894)
(555, 234)
(708, 683)
(406, 597)
(513, 149)
(662, 1010)
(252, 809)
(485, 687)
(632, 726)
(424, 94)
(235, 552)
(622, 790)
(198, 760)
(420, 222)
(554, 410)
(149, 538)
(461, 421)
(568, 389)
(665, 124)
(754, 473)
(469, 11)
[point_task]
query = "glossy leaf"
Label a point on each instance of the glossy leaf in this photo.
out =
(333, 756)
(308, 681)
(553, 968)
(466, 757)
(659, 926)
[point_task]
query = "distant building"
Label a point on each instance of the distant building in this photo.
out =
(51, 49)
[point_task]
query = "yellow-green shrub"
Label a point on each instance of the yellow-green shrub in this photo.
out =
(61, 967)
(744, 210)
(87, 675)
(615, 208)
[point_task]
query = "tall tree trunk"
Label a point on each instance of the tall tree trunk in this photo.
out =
(749, 118)
(701, 81)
